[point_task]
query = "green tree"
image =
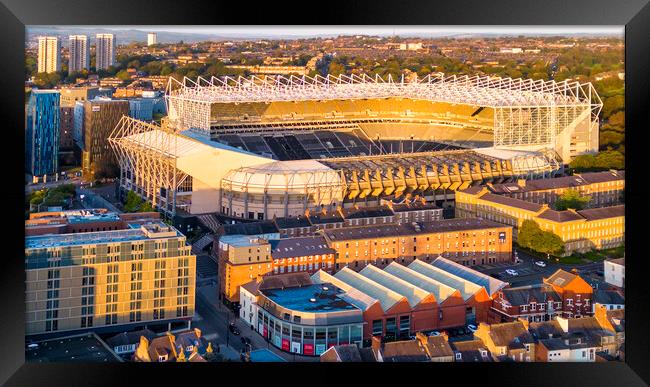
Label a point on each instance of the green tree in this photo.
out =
(123, 75)
(133, 202)
(532, 237)
(572, 199)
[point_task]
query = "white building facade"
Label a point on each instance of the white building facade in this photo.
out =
(49, 54)
(105, 51)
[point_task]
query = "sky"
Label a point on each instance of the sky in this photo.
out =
(405, 31)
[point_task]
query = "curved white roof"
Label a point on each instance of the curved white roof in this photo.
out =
(296, 174)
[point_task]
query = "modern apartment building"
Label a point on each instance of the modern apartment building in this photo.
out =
(115, 280)
(66, 128)
(152, 38)
(79, 53)
(100, 118)
(72, 95)
(42, 133)
(49, 54)
(104, 51)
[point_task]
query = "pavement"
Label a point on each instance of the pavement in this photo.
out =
(214, 319)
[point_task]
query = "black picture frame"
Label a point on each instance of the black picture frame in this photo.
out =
(16, 14)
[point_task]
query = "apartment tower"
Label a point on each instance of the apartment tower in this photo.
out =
(49, 54)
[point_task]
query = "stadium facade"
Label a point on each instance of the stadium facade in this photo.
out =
(255, 148)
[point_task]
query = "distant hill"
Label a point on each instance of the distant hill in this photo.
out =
(122, 36)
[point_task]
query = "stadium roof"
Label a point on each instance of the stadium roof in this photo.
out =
(476, 90)
(492, 285)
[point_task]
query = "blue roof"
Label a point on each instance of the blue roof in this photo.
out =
(314, 298)
(265, 355)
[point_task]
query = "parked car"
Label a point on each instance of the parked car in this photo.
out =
(511, 272)
(540, 263)
(434, 333)
(471, 328)
(234, 330)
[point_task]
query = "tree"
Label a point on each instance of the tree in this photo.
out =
(123, 75)
(532, 237)
(133, 202)
(572, 199)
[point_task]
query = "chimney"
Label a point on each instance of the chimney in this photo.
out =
(307, 212)
(521, 183)
(356, 206)
(423, 200)
(389, 204)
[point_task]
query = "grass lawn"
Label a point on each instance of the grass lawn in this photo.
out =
(571, 259)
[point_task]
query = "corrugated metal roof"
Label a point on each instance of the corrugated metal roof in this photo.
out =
(438, 289)
(466, 288)
(413, 294)
(386, 297)
(492, 285)
(351, 295)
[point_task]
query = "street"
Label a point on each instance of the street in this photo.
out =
(529, 273)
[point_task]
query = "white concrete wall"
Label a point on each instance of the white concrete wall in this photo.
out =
(614, 274)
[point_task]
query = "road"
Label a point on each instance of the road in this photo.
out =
(529, 273)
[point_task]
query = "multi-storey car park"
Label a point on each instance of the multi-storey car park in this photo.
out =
(255, 148)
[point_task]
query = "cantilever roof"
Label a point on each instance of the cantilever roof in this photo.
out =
(492, 285)
(413, 294)
(386, 297)
(466, 288)
(487, 91)
(438, 289)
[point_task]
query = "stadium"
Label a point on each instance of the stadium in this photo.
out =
(258, 148)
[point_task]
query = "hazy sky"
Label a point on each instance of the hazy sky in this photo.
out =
(273, 31)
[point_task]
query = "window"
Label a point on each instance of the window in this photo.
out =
(459, 356)
(377, 327)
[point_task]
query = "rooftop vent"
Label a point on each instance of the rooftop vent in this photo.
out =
(325, 288)
(312, 300)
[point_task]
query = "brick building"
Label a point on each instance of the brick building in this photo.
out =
(576, 293)
(466, 241)
(583, 230)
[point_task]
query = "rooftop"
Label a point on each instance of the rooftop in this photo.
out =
(366, 212)
(524, 295)
(113, 236)
(512, 202)
(292, 222)
(243, 240)
(609, 297)
(491, 284)
(298, 247)
(313, 298)
(254, 228)
(86, 347)
(618, 261)
(264, 356)
(395, 230)
(603, 212)
(560, 216)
